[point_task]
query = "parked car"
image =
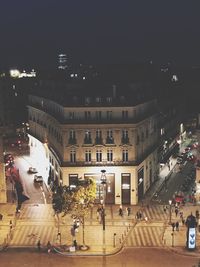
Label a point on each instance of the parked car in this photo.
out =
(38, 178)
(32, 170)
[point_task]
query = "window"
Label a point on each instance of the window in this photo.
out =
(142, 137)
(109, 139)
(87, 100)
(98, 99)
(109, 155)
(125, 138)
(88, 139)
(72, 137)
(99, 156)
(88, 156)
(109, 99)
(98, 115)
(125, 155)
(87, 115)
(124, 114)
(98, 139)
(147, 133)
(73, 156)
(71, 115)
(109, 115)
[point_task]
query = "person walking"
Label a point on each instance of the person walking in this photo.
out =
(120, 211)
(128, 210)
(48, 247)
(176, 211)
(177, 226)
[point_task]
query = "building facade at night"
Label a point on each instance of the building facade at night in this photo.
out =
(85, 130)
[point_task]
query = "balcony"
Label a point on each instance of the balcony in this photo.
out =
(125, 141)
(98, 141)
(87, 141)
(109, 141)
(72, 141)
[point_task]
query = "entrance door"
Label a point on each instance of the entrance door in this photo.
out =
(125, 189)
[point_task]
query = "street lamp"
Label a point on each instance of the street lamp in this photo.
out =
(170, 211)
(103, 182)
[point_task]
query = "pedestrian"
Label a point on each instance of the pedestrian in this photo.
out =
(39, 245)
(176, 211)
(120, 211)
(48, 247)
(11, 225)
(128, 210)
(98, 213)
(140, 215)
(181, 214)
(177, 226)
(164, 209)
(173, 226)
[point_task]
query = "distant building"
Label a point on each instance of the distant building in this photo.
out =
(62, 62)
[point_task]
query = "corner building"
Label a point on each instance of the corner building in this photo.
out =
(89, 127)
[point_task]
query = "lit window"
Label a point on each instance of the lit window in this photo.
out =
(88, 156)
(109, 155)
(125, 155)
(99, 156)
(73, 156)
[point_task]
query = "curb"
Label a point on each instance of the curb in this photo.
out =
(56, 250)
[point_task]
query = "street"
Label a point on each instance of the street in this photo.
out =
(137, 257)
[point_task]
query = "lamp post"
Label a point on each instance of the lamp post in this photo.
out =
(170, 211)
(103, 182)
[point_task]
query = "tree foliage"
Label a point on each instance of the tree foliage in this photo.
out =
(76, 201)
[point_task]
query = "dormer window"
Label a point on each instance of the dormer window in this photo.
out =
(87, 100)
(98, 99)
(109, 99)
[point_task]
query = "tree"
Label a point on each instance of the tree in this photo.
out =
(77, 200)
(84, 199)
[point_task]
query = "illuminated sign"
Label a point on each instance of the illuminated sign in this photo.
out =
(191, 238)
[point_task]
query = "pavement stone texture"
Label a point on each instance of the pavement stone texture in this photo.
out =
(39, 222)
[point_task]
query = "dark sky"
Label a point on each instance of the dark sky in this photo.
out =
(33, 32)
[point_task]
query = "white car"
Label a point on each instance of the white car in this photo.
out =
(32, 170)
(38, 179)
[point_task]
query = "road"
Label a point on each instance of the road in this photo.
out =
(37, 192)
(137, 257)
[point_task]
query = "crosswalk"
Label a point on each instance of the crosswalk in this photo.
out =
(145, 236)
(28, 235)
(38, 221)
(155, 212)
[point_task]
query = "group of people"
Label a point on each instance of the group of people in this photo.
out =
(49, 246)
(121, 212)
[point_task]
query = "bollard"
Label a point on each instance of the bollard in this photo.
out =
(114, 240)
(122, 236)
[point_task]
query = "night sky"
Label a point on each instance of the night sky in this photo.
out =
(33, 32)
